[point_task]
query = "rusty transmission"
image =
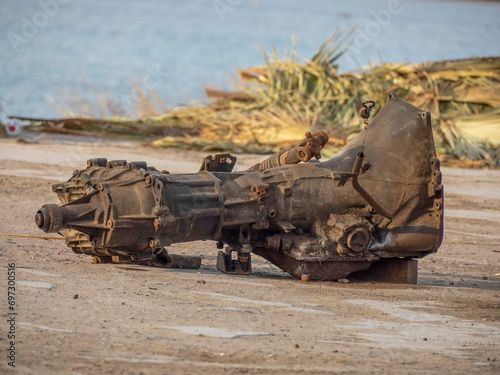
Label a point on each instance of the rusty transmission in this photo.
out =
(380, 197)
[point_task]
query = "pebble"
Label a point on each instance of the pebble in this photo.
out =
(75, 296)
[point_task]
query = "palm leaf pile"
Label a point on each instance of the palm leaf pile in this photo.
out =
(286, 96)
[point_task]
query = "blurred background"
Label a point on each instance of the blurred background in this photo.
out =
(49, 47)
(250, 75)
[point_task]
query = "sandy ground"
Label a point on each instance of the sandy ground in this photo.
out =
(132, 319)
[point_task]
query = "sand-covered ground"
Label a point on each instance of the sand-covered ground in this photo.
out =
(133, 319)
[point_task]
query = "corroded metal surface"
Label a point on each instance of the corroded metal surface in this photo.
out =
(379, 197)
(310, 147)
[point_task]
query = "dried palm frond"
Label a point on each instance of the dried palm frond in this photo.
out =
(288, 95)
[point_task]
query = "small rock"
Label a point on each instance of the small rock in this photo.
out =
(297, 346)
(201, 281)
(485, 278)
(343, 281)
(425, 339)
(75, 296)
(451, 284)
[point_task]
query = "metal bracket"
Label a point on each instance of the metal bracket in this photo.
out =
(241, 266)
(343, 177)
(218, 163)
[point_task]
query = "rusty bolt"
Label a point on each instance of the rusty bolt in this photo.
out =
(165, 172)
(151, 242)
(366, 166)
(110, 223)
(243, 257)
(155, 223)
(100, 187)
(148, 180)
(305, 278)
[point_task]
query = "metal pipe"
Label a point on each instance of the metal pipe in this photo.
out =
(367, 197)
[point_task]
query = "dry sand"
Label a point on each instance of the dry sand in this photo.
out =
(133, 319)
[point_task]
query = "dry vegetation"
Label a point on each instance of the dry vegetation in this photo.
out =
(289, 95)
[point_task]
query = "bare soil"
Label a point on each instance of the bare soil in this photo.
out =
(75, 317)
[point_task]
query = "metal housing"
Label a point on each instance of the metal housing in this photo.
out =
(379, 197)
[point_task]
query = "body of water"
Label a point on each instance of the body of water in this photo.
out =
(176, 48)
